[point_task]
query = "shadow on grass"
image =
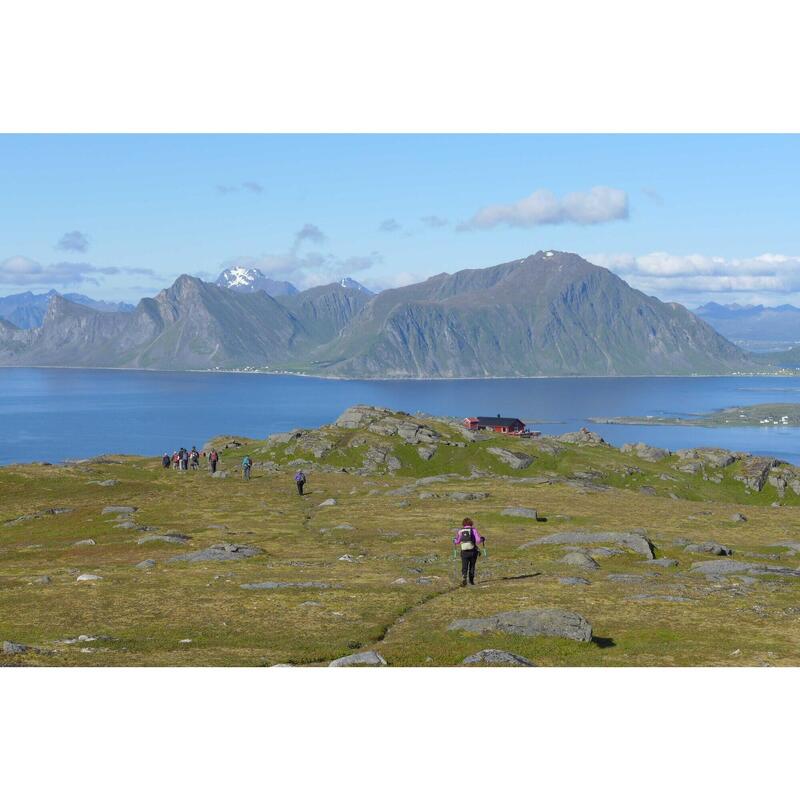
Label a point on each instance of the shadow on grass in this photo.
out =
(603, 642)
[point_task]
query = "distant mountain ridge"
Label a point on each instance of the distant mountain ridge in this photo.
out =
(753, 324)
(27, 310)
(549, 314)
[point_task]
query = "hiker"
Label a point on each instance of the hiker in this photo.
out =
(165, 461)
(185, 459)
(468, 541)
(300, 480)
(213, 458)
(176, 460)
(246, 464)
(195, 458)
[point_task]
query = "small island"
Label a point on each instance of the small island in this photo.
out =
(738, 416)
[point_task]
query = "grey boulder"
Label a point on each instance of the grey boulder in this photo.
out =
(492, 657)
(714, 548)
(632, 541)
(530, 622)
(512, 458)
(518, 511)
(120, 510)
(220, 552)
(14, 648)
(581, 560)
(368, 659)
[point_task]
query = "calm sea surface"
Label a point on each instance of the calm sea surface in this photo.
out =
(55, 414)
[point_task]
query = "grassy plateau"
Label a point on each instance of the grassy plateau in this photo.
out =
(379, 560)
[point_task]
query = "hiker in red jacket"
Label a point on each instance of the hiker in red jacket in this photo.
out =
(468, 541)
(213, 458)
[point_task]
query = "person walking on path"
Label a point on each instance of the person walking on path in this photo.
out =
(246, 464)
(176, 460)
(213, 458)
(468, 541)
(195, 458)
(300, 480)
(185, 460)
(166, 461)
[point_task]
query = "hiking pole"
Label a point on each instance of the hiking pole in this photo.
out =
(455, 565)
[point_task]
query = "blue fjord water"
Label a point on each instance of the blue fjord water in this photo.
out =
(56, 414)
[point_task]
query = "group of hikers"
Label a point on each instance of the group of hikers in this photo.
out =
(467, 541)
(185, 460)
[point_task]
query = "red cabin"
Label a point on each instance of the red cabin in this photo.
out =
(497, 424)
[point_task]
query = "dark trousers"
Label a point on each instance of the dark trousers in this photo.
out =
(213, 466)
(247, 473)
(300, 485)
(468, 559)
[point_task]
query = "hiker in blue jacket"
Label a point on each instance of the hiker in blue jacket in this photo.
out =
(246, 465)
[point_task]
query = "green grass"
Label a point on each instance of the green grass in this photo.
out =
(146, 613)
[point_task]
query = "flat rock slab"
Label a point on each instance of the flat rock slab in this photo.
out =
(511, 458)
(530, 622)
(171, 538)
(220, 552)
(120, 510)
(110, 482)
(498, 658)
(148, 563)
(88, 577)
(578, 559)
(664, 598)
(731, 567)
(15, 648)
(632, 541)
(626, 578)
(573, 581)
(662, 562)
(519, 511)
(368, 659)
(287, 585)
(329, 502)
(84, 543)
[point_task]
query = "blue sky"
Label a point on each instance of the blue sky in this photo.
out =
(687, 218)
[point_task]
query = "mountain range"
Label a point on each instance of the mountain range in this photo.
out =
(27, 310)
(552, 313)
(753, 326)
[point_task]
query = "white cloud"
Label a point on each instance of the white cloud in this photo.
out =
(670, 276)
(23, 271)
(543, 207)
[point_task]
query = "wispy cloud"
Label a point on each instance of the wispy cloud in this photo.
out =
(652, 194)
(309, 233)
(254, 187)
(433, 221)
(73, 241)
(389, 226)
(543, 207)
(23, 271)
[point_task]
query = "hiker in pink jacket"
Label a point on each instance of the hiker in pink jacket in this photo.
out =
(468, 541)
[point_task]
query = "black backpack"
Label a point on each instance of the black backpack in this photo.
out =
(466, 539)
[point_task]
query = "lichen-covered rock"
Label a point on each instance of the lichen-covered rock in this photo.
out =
(530, 622)
(581, 560)
(519, 511)
(582, 436)
(493, 658)
(714, 548)
(368, 659)
(632, 541)
(645, 451)
(220, 552)
(511, 458)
